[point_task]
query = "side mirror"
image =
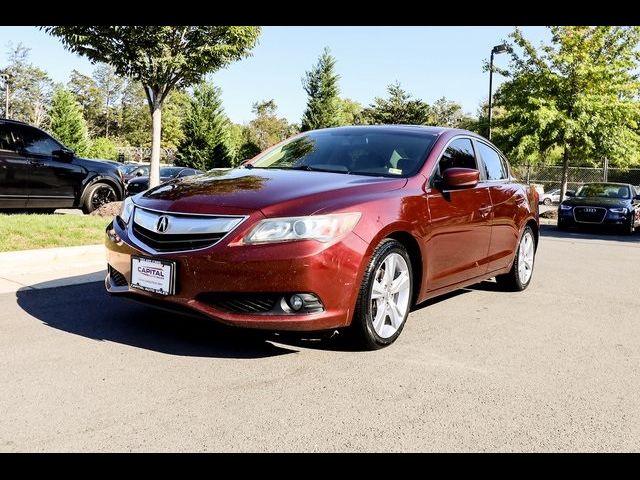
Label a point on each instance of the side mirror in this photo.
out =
(637, 197)
(570, 193)
(63, 154)
(461, 177)
(138, 173)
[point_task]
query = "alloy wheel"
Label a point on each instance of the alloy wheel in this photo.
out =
(526, 252)
(102, 195)
(389, 296)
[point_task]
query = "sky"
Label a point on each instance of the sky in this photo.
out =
(429, 62)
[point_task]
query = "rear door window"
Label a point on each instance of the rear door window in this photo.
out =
(494, 167)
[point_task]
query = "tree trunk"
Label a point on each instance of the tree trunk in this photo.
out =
(154, 170)
(565, 172)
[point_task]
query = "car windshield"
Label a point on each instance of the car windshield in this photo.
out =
(604, 190)
(170, 171)
(127, 169)
(362, 151)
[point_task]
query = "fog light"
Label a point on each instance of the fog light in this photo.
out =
(296, 302)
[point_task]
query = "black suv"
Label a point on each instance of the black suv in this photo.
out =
(37, 171)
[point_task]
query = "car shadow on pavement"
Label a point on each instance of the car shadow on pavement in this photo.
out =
(587, 233)
(87, 310)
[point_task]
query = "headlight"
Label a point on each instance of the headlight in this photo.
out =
(621, 210)
(127, 209)
(314, 227)
(565, 207)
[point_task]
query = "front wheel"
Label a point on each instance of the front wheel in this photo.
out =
(547, 201)
(97, 195)
(521, 271)
(630, 229)
(385, 296)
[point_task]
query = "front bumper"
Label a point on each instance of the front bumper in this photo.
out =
(567, 218)
(332, 272)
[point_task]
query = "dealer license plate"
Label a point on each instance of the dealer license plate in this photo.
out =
(151, 275)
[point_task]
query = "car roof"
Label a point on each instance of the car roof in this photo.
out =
(608, 183)
(17, 122)
(399, 128)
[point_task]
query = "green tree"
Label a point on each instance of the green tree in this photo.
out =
(66, 121)
(102, 148)
(480, 122)
(577, 93)
(399, 108)
(446, 113)
(30, 88)
(266, 129)
(136, 121)
(110, 86)
(88, 95)
(323, 102)
(350, 112)
(161, 58)
(204, 145)
(235, 142)
(175, 111)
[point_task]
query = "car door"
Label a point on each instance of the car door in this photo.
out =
(54, 181)
(14, 171)
(460, 225)
(505, 198)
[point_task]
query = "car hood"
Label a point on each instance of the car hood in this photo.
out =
(268, 190)
(597, 202)
(146, 179)
(95, 165)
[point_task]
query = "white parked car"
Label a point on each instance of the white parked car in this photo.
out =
(552, 196)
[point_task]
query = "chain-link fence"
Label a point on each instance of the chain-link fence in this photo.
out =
(551, 176)
(143, 155)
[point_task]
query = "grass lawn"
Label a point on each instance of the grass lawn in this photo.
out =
(25, 231)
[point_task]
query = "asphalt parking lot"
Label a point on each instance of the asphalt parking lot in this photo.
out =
(556, 368)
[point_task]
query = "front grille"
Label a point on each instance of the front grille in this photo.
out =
(163, 242)
(589, 214)
(179, 232)
(240, 303)
(117, 278)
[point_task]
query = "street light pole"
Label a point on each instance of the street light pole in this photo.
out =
(495, 50)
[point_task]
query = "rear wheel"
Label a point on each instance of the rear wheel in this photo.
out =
(547, 201)
(385, 296)
(97, 195)
(521, 271)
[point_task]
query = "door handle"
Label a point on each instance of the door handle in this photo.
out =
(485, 210)
(36, 163)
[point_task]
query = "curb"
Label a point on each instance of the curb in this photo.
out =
(22, 260)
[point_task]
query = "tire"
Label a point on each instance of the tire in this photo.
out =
(371, 329)
(629, 229)
(517, 280)
(96, 195)
(562, 226)
(547, 201)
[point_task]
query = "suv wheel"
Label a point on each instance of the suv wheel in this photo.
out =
(97, 195)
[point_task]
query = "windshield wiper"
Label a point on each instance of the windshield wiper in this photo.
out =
(310, 168)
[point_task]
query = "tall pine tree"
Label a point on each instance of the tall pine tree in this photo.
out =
(323, 103)
(399, 108)
(66, 121)
(204, 145)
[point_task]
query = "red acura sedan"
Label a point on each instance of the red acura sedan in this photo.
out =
(334, 228)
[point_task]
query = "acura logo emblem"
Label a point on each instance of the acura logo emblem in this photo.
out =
(163, 224)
